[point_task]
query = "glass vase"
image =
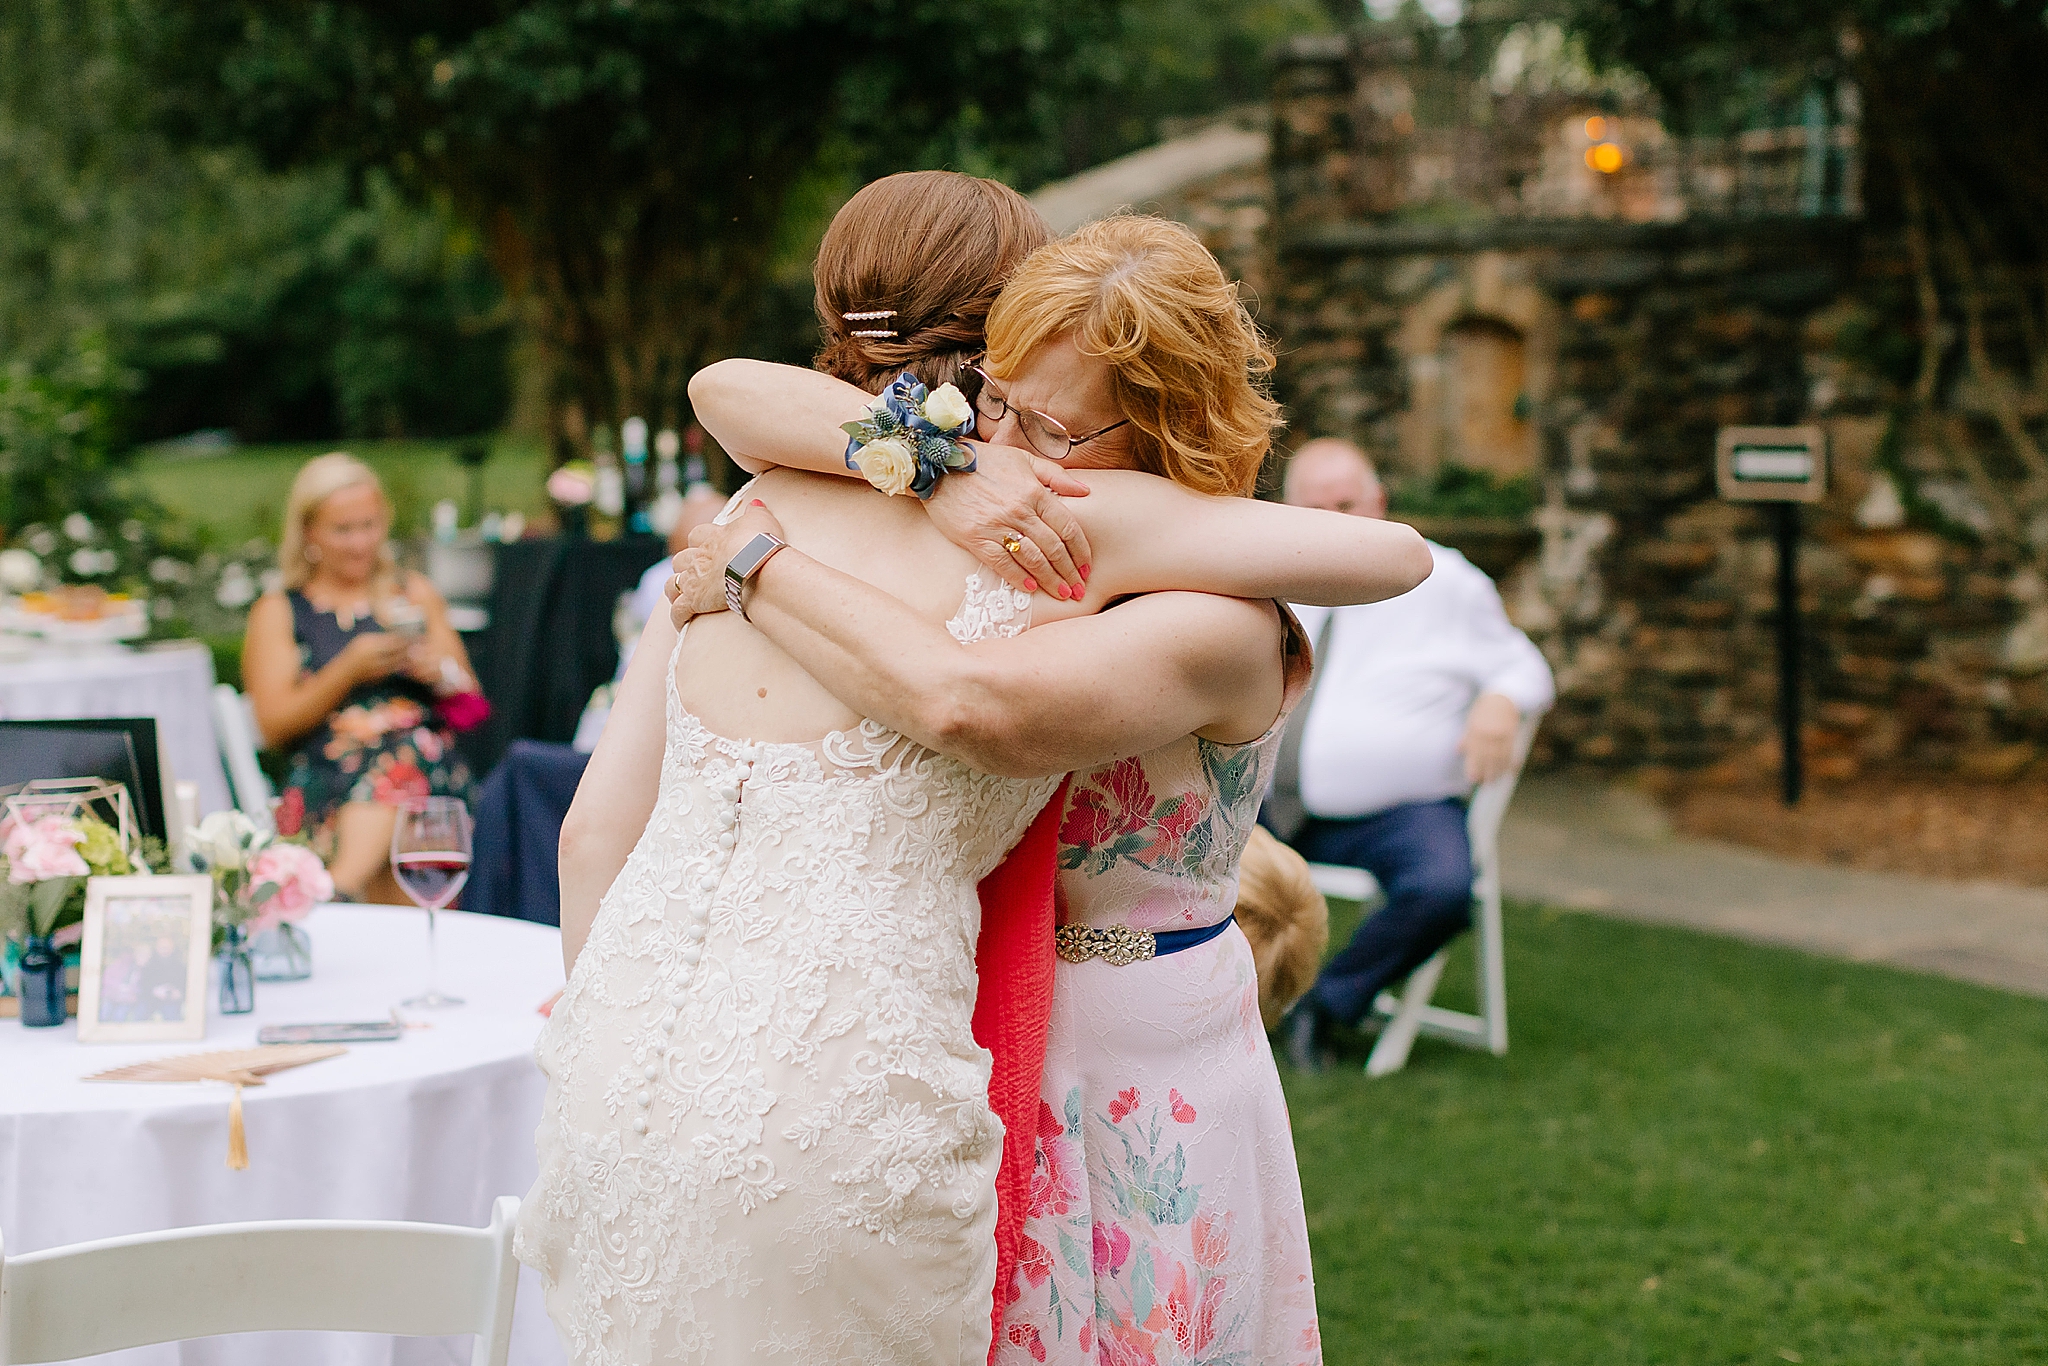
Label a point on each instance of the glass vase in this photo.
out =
(282, 953)
(237, 975)
(41, 982)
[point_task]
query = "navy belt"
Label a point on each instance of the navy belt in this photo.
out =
(1119, 945)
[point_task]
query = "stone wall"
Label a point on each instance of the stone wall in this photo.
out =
(1622, 324)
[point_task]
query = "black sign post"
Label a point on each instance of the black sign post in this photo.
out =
(1783, 466)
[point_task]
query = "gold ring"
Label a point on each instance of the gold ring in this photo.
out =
(1013, 544)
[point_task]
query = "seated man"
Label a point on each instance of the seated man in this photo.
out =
(1415, 700)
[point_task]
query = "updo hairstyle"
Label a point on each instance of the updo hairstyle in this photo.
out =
(934, 248)
(1186, 364)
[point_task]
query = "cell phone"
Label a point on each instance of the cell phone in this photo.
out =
(361, 1031)
(405, 619)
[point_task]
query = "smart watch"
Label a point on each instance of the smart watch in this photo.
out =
(744, 566)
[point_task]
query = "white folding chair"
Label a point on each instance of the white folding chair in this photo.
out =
(418, 1280)
(1410, 1013)
(234, 729)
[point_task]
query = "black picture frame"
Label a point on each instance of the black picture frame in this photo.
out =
(120, 749)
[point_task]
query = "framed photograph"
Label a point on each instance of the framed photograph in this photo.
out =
(142, 971)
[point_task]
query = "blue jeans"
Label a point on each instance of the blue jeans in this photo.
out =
(1422, 859)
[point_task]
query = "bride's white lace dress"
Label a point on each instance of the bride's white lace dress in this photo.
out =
(767, 1134)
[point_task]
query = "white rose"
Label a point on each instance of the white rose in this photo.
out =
(20, 570)
(946, 408)
(222, 840)
(889, 464)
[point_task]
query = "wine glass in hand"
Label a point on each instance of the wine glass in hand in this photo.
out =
(430, 859)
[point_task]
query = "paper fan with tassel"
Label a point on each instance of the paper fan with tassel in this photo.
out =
(238, 1067)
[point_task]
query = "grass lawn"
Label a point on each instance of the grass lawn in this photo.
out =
(1696, 1151)
(241, 493)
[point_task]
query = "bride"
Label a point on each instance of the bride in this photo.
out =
(767, 1134)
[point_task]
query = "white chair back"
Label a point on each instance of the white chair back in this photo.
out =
(234, 723)
(326, 1275)
(1411, 1013)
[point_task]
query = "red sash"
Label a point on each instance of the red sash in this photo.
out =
(1012, 1013)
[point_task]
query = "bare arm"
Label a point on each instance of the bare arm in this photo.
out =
(442, 642)
(767, 415)
(618, 789)
(1239, 547)
(288, 702)
(1062, 697)
(1156, 536)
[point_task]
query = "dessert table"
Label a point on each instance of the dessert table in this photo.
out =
(433, 1126)
(174, 685)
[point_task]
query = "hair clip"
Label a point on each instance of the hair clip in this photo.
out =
(868, 316)
(872, 332)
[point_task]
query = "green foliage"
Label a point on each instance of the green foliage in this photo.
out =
(627, 165)
(57, 438)
(300, 304)
(1696, 1150)
(304, 306)
(1455, 490)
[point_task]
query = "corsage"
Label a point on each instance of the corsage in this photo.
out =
(910, 438)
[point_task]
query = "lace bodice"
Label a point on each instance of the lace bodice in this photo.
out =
(1153, 841)
(763, 1079)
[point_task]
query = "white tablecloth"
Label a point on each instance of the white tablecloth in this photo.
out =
(175, 686)
(432, 1127)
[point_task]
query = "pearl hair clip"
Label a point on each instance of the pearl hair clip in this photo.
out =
(870, 316)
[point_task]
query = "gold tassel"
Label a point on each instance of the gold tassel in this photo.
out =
(238, 1138)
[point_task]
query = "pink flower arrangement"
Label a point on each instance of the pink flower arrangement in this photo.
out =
(45, 848)
(300, 881)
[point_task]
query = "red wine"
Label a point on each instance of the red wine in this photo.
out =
(431, 877)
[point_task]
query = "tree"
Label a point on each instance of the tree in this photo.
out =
(626, 162)
(1956, 140)
(290, 305)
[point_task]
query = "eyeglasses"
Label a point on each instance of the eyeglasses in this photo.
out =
(1044, 434)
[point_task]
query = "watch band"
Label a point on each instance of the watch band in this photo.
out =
(744, 566)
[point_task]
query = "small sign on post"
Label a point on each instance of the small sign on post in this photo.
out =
(1785, 466)
(1772, 464)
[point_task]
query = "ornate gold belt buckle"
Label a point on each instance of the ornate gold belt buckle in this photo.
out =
(1117, 945)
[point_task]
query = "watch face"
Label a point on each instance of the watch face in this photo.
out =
(750, 556)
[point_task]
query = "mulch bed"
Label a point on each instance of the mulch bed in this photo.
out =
(1935, 826)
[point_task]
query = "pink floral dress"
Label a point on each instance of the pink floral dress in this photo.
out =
(1165, 1223)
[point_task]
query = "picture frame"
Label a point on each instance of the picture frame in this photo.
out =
(143, 965)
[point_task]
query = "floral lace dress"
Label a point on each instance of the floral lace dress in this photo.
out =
(382, 744)
(1166, 1222)
(767, 1134)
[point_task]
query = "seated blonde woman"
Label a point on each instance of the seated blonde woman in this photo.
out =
(343, 667)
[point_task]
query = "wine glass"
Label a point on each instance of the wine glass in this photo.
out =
(430, 859)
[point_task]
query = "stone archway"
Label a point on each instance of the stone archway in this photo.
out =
(1485, 419)
(1479, 349)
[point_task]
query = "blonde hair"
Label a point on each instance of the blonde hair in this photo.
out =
(318, 480)
(1186, 364)
(1286, 919)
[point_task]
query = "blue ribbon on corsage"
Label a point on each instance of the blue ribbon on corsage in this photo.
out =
(911, 437)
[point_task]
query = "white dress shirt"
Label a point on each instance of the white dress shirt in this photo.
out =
(1394, 681)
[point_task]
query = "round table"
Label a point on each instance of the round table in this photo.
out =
(434, 1126)
(174, 685)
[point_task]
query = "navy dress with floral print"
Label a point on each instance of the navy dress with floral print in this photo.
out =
(382, 744)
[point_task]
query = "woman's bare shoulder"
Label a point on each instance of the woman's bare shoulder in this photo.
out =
(270, 611)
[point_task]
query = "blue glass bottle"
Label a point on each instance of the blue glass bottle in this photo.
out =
(42, 984)
(237, 975)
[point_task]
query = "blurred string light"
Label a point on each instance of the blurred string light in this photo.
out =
(1605, 155)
